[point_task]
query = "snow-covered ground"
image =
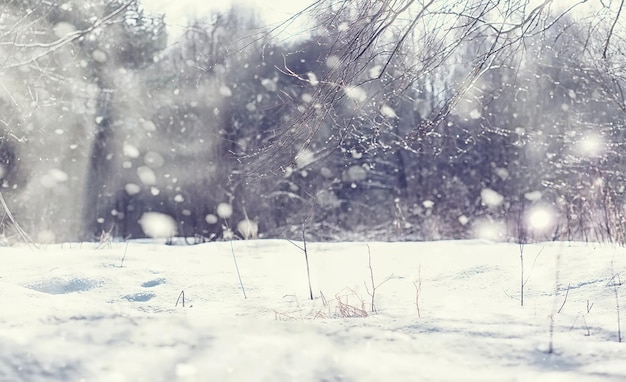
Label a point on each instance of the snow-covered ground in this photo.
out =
(75, 312)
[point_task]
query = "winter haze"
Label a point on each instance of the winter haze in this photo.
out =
(368, 190)
(395, 123)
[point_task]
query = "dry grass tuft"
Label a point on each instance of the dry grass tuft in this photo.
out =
(346, 309)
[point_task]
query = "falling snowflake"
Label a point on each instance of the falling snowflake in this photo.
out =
(387, 111)
(355, 93)
(158, 225)
(491, 198)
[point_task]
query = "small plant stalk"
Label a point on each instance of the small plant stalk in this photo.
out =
(374, 286)
(521, 287)
(551, 330)
(303, 248)
(124, 256)
(521, 239)
(554, 310)
(564, 299)
(18, 228)
(616, 284)
(181, 298)
(418, 289)
(619, 325)
(243, 290)
(306, 258)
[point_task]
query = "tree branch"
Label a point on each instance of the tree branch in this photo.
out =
(63, 41)
(608, 38)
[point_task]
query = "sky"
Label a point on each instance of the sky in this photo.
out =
(180, 11)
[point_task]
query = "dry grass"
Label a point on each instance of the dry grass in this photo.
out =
(349, 304)
(346, 304)
(288, 316)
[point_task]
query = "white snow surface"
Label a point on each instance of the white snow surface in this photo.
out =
(88, 312)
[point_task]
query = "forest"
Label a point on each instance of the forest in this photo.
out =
(382, 119)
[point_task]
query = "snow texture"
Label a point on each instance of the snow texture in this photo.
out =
(116, 312)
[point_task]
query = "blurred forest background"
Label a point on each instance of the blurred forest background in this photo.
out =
(382, 119)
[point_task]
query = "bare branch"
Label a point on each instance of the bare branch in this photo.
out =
(608, 38)
(67, 39)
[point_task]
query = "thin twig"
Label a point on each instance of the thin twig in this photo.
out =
(551, 315)
(608, 38)
(124, 256)
(374, 285)
(418, 289)
(181, 294)
(533, 265)
(18, 228)
(306, 257)
(586, 326)
(67, 39)
(232, 249)
(564, 300)
(303, 248)
(616, 286)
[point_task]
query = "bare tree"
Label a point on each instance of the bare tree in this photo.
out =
(55, 94)
(400, 42)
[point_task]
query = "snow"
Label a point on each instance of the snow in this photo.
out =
(304, 158)
(355, 174)
(179, 13)
(146, 175)
(53, 177)
(490, 230)
(388, 111)
(156, 224)
(63, 30)
(131, 151)
(375, 71)
(475, 114)
(270, 84)
(333, 61)
(146, 311)
(533, 196)
(312, 78)
(491, 198)
(224, 210)
(356, 93)
(248, 228)
(541, 217)
(99, 56)
(591, 145)
(225, 91)
(154, 159)
(211, 219)
(147, 125)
